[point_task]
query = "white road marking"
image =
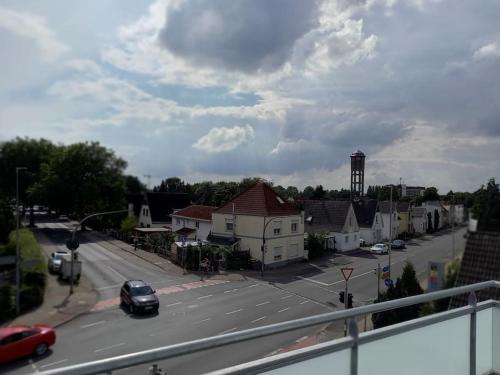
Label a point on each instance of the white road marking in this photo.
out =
(251, 286)
(275, 352)
(315, 266)
(285, 309)
(229, 291)
(234, 312)
(109, 347)
(313, 281)
(306, 301)
(204, 320)
(174, 304)
(93, 324)
(301, 339)
(229, 330)
(54, 363)
(192, 306)
(256, 320)
(289, 296)
(207, 296)
(118, 273)
(262, 303)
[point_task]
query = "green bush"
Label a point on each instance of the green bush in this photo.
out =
(6, 302)
(31, 297)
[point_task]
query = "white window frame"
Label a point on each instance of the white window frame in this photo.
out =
(277, 228)
(279, 256)
(346, 239)
(197, 224)
(296, 224)
(229, 225)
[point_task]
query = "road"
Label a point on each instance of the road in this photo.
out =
(190, 309)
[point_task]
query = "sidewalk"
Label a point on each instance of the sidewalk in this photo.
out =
(58, 306)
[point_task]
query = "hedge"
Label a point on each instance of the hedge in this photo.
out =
(6, 302)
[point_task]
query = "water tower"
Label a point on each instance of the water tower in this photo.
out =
(357, 174)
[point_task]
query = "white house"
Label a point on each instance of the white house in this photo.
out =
(438, 213)
(384, 208)
(156, 208)
(369, 220)
(193, 222)
(259, 216)
(419, 220)
(336, 220)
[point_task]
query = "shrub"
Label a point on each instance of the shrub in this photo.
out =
(6, 302)
(31, 297)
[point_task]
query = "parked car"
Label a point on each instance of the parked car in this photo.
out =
(138, 296)
(398, 244)
(379, 248)
(55, 260)
(20, 341)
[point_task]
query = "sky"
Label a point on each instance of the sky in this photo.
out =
(281, 89)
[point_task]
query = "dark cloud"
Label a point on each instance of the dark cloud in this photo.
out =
(246, 35)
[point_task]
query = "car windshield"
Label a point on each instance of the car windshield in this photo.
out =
(141, 291)
(58, 256)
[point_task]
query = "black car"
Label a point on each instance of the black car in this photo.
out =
(138, 296)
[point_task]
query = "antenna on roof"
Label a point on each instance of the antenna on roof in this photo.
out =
(148, 176)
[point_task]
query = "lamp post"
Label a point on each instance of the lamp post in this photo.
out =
(263, 248)
(18, 257)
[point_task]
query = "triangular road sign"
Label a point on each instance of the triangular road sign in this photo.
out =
(347, 272)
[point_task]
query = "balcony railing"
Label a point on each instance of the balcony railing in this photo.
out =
(465, 340)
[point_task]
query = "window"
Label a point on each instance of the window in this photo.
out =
(350, 221)
(178, 221)
(147, 212)
(346, 239)
(376, 219)
(229, 225)
(197, 224)
(277, 228)
(355, 237)
(294, 227)
(278, 253)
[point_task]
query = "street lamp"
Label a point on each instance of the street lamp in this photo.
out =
(263, 248)
(18, 257)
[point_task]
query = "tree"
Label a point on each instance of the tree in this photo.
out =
(406, 286)
(308, 192)
(134, 185)
(172, 185)
(292, 192)
(319, 192)
(436, 220)
(7, 222)
(431, 194)
(128, 225)
(315, 244)
(81, 179)
(486, 206)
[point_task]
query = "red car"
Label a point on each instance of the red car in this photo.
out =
(20, 341)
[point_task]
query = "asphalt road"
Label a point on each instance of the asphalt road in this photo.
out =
(190, 310)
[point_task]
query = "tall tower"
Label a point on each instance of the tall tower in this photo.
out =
(357, 174)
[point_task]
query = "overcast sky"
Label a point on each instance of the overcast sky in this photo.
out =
(283, 89)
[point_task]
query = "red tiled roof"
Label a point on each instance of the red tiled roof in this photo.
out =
(196, 212)
(259, 200)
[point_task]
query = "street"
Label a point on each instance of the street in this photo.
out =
(191, 309)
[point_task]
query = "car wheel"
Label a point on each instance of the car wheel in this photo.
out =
(41, 349)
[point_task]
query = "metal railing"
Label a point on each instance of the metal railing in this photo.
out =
(151, 356)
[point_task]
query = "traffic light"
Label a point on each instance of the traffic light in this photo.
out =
(349, 300)
(341, 297)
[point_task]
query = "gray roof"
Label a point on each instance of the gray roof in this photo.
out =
(365, 210)
(480, 262)
(418, 212)
(385, 206)
(328, 216)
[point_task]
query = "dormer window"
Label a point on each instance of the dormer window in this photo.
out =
(309, 219)
(280, 200)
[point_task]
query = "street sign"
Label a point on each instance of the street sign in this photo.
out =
(385, 273)
(72, 244)
(388, 282)
(346, 272)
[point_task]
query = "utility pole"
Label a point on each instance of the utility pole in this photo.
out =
(390, 231)
(18, 255)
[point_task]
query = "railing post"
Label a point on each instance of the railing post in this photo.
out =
(472, 337)
(353, 332)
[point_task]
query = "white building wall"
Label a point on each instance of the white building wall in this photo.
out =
(202, 230)
(285, 246)
(386, 221)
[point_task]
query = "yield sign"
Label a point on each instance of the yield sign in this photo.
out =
(347, 272)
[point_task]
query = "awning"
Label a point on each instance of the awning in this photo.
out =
(185, 231)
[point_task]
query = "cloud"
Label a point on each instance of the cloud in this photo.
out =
(224, 139)
(35, 29)
(247, 35)
(490, 50)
